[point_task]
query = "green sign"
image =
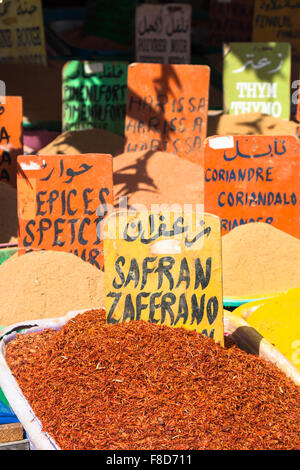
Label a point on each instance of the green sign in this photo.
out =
(94, 96)
(256, 78)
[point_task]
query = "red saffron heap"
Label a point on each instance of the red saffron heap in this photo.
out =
(142, 386)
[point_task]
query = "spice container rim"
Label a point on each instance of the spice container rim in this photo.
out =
(240, 301)
(20, 406)
(237, 302)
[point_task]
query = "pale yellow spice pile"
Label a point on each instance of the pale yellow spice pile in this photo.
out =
(249, 124)
(47, 284)
(259, 260)
(85, 141)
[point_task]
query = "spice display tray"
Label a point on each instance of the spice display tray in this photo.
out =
(243, 335)
(39, 440)
(17, 445)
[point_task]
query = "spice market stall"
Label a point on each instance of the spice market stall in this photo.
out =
(143, 386)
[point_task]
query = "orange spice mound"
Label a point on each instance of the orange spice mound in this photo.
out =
(157, 178)
(141, 386)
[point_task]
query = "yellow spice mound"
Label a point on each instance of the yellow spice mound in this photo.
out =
(278, 320)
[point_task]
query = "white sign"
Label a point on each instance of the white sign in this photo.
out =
(163, 33)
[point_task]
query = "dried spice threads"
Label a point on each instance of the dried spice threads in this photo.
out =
(142, 386)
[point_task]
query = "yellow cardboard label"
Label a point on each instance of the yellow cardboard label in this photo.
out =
(22, 32)
(165, 268)
(277, 21)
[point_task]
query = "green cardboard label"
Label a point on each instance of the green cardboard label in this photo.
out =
(257, 78)
(94, 96)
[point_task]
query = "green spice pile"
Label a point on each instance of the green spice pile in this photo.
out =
(142, 386)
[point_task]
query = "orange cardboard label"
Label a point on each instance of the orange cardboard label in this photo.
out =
(167, 109)
(62, 201)
(253, 179)
(11, 138)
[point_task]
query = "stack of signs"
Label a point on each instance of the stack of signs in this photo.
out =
(94, 96)
(253, 179)
(11, 137)
(257, 78)
(296, 99)
(165, 268)
(163, 33)
(230, 20)
(167, 109)
(22, 37)
(62, 202)
(277, 21)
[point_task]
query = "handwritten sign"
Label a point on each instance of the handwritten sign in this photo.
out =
(253, 179)
(230, 21)
(11, 137)
(62, 202)
(167, 109)
(94, 96)
(257, 78)
(278, 21)
(163, 33)
(22, 36)
(296, 99)
(165, 268)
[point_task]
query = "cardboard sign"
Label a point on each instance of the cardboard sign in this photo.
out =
(163, 33)
(167, 109)
(257, 78)
(277, 21)
(62, 201)
(296, 99)
(11, 137)
(22, 36)
(253, 179)
(165, 268)
(230, 21)
(94, 96)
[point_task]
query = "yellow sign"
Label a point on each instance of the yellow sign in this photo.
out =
(277, 21)
(165, 268)
(22, 37)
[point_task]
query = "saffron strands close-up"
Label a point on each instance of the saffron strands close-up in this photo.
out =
(143, 386)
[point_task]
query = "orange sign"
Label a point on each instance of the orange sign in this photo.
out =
(11, 138)
(62, 201)
(167, 109)
(253, 179)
